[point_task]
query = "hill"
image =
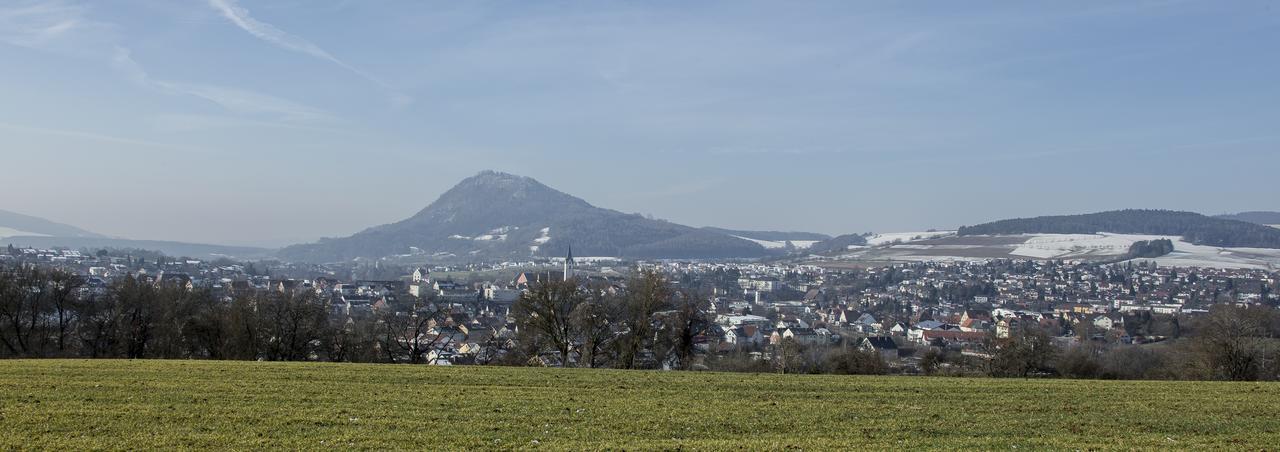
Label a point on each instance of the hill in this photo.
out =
(771, 236)
(499, 215)
(1192, 227)
(16, 224)
(27, 231)
(1259, 217)
(160, 404)
(839, 243)
(175, 249)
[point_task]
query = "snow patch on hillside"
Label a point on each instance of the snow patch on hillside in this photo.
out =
(780, 244)
(891, 237)
(11, 232)
(495, 234)
(544, 237)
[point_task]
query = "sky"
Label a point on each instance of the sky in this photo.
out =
(272, 122)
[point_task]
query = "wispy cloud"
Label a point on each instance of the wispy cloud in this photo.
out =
(267, 32)
(182, 122)
(35, 24)
(233, 99)
(780, 151)
(91, 136)
(240, 17)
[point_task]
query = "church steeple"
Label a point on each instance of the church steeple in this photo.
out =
(568, 264)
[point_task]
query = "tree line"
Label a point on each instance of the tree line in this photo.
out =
(1230, 343)
(50, 313)
(649, 325)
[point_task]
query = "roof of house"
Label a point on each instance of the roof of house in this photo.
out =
(797, 331)
(881, 342)
(954, 335)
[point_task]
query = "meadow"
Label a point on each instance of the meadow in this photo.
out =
(117, 404)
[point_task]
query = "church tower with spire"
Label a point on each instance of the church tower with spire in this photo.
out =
(568, 264)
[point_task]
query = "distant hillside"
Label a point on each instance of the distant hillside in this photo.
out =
(770, 236)
(27, 231)
(1259, 217)
(176, 249)
(1192, 227)
(838, 243)
(498, 215)
(16, 224)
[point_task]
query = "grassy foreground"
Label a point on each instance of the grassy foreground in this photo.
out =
(75, 405)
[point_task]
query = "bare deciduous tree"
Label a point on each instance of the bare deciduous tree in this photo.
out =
(647, 294)
(413, 334)
(1232, 339)
(545, 313)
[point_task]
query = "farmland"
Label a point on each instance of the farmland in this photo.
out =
(72, 404)
(915, 247)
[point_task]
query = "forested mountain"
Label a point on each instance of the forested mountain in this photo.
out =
(1259, 217)
(498, 215)
(1192, 227)
(771, 236)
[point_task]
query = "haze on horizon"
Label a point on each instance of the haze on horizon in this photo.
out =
(267, 123)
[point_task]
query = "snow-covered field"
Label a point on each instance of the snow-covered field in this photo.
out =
(1066, 246)
(1188, 255)
(891, 237)
(11, 232)
(1185, 254)
(777, 245)
(1060, 246)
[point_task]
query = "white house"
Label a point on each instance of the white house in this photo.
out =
(883, 345)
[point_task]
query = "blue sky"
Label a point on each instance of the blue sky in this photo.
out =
(257, 122)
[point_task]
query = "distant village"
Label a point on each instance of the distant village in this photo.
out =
(907, 314)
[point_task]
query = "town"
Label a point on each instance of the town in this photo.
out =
(907, 318)
(821, 225)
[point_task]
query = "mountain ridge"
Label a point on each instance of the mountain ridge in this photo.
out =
(166, 247)
(35, 225)
(1193, 227)
(38, 232)
(501, 215)
(1270, 218)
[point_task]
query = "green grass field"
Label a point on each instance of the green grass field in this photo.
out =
(76, 405)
